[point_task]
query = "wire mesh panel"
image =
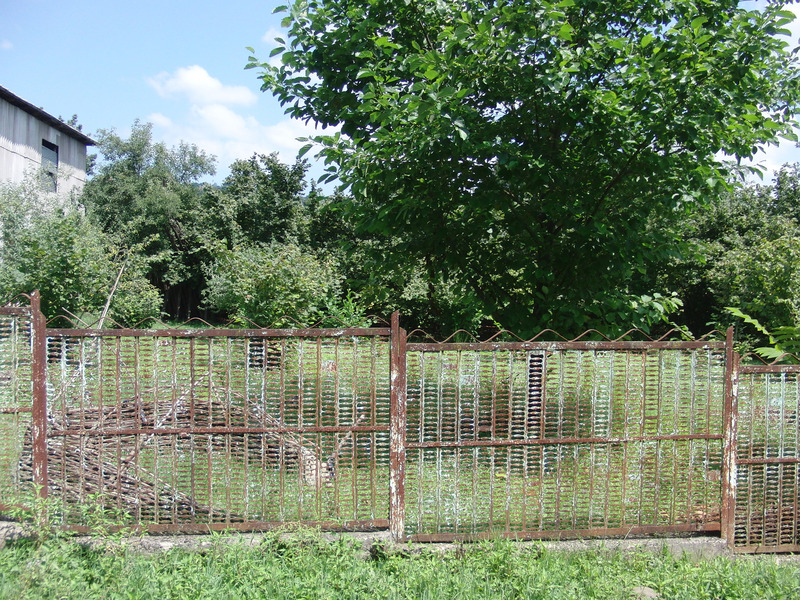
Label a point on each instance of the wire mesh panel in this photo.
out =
(180, 429)
(768, 461)
(16, 400)
(545, 440)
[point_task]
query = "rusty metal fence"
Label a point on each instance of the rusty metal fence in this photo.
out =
(16, 400)
(226, 428)
(542, 440)
(767, 459)
(196, 430)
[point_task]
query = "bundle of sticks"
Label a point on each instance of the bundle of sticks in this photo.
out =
(92, 450)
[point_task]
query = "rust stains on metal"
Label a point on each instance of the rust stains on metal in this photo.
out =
(249, 429)
(729, 448)
(225, 333)
(40, 412)
(585, 345)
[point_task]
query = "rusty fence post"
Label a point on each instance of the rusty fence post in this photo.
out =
(397, 443)
(729, 433)
(39, 376)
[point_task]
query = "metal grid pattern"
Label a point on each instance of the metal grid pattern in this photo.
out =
(235, 428)
(768, 460)
(550, 440)
(16, 400)
(194, 430)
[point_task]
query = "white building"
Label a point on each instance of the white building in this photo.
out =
(31, 139)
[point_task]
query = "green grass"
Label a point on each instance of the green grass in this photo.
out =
(312, 568)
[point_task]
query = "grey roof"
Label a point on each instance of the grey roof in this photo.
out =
(46, 117)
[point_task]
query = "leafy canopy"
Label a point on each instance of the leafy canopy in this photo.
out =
(146, 197)
(520, 148)
(747, 256)
(47, 243)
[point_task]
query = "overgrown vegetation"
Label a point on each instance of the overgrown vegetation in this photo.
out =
(261, 248)
(308, 567)
(504, 164)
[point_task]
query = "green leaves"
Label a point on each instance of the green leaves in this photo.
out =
(784, 341)
(58, 251)
(278, 285)
(525, 146)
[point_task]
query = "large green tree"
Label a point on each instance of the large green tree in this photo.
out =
(264, 198)
(518, 150)
(145, 195)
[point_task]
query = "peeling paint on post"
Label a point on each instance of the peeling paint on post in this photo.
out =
(729, 425)
(39, 372)
(397, 447)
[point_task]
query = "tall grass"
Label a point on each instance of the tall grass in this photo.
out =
(313, 568)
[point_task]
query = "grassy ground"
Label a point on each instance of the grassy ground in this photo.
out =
(313, 568)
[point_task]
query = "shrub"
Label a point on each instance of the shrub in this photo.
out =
(272, 285)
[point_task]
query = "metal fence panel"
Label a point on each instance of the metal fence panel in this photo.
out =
(768, 462)
(530, 442)
(174, 430)
(16, 401)
(214, 429)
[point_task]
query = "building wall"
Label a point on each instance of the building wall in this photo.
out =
(21, 136)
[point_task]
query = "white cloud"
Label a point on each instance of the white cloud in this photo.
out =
(232, 134)
(6, 45)
(217, 118)
(195, 84)
(160, 120)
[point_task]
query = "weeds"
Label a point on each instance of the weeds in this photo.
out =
(40, 516)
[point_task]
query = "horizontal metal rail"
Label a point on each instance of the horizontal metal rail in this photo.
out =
(220, 333)
(563, 441)
(567, 533)
(587, 345)
(217, 430)
(786, 460)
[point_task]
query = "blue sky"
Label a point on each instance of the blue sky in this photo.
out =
(178, 64)
(175, 63)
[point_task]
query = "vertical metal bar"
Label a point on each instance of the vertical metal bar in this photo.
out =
(39, 376)
(337, 420)
(358, 395)
(192, 438)
(796, 522)
(729, 425)
(752, 423)
(317, 422)
(281, 445)
(397, 449)
(137, 439)
(372, 439)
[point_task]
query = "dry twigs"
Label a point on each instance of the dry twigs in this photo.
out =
(101, 450)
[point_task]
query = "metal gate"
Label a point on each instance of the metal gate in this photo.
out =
(768, 460)
(568, 439)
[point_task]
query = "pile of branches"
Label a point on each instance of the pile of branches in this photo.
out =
(92, 451)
